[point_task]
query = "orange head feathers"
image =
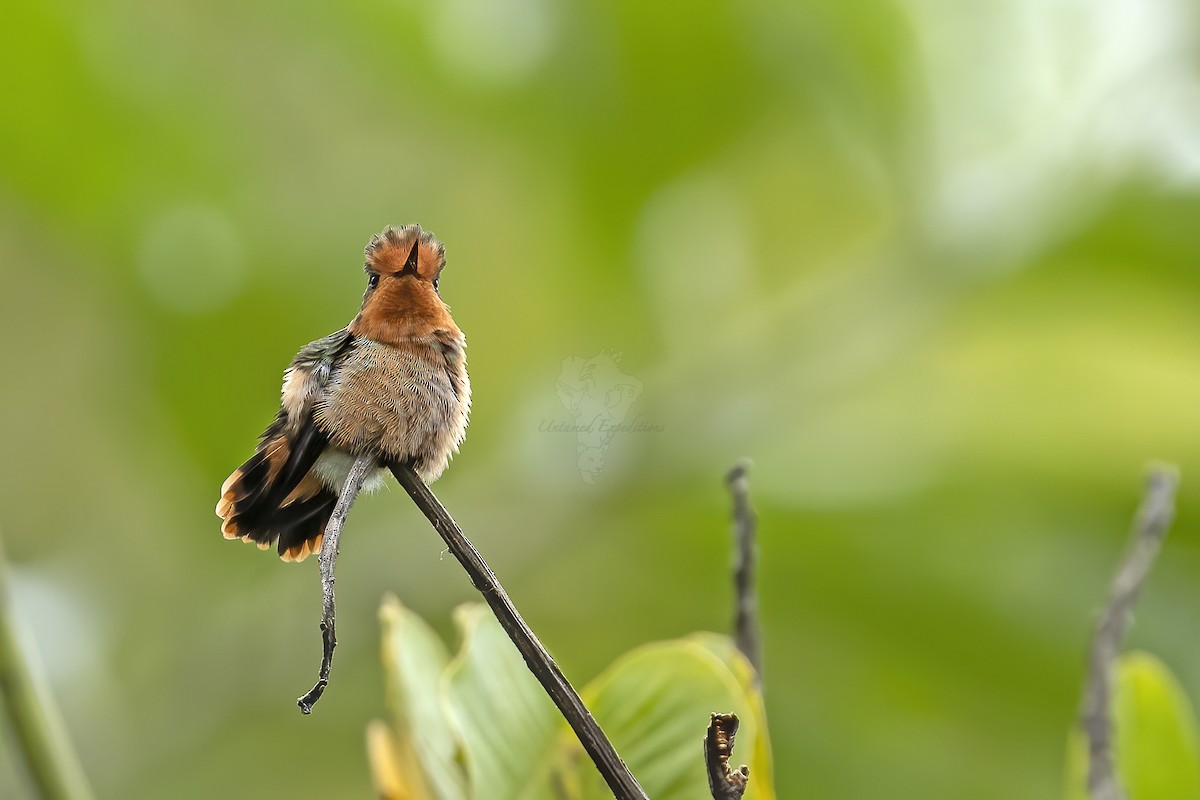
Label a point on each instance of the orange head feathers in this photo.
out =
(402, 301)
(398, 250)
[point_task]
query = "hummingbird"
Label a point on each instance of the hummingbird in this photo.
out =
(391, 385)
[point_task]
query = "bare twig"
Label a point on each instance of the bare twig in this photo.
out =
(724, 782)
(745, 527)
(618, 777)
(34, 720)
(327, 560)
(1150, 528)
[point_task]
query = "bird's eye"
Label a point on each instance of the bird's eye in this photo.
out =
(435, 284)
(373, 281)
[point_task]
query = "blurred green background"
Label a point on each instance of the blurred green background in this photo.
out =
(932, 265)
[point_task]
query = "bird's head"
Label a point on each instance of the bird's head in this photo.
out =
(402, 301)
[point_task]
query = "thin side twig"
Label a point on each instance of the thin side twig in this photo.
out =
(33, 718)
(328, 560)
(618, 777)
(747, 633)
(724, 782)
(1150, 528)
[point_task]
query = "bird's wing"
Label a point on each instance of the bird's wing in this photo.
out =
(256, 492)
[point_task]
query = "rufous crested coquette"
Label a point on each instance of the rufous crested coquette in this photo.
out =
(392, 385)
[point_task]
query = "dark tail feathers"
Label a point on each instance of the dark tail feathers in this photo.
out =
(257, 504)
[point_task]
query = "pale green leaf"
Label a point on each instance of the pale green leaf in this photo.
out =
(507, 724)
(1157, 751)
(758, 759)
(1157, 748)
(414, 662)
(654, 704)
(1077, 765)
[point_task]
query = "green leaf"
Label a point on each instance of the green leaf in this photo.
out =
(507, 724)
(759, 760)
(654, 704)
(1077, 765)
(1157, 748)
(414, 662)
(485, 710)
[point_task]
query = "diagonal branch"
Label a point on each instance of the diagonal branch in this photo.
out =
(327, 560)
(724, 782)
(1153, 519)
(745, 529)
(618, 777)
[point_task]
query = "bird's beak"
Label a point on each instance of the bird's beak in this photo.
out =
(410, 265)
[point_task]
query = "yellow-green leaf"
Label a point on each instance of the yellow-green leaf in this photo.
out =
(484, 711)
(654, 704)
(1157, 752)
(414, 664)
(758, 759)
(507, 724)
(1157, 748)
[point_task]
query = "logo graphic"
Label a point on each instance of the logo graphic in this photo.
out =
(598, 396)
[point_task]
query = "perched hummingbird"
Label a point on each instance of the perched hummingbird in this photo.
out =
(392, 384)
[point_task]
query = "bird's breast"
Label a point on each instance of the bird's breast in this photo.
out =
(399, 402)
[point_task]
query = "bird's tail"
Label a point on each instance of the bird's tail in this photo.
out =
(262, 502)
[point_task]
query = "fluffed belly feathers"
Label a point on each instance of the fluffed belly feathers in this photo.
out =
(398, 403)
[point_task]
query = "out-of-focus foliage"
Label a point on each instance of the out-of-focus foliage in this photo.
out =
(932, 265)
(421, 748)
(1157, 744)
(480, 726)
